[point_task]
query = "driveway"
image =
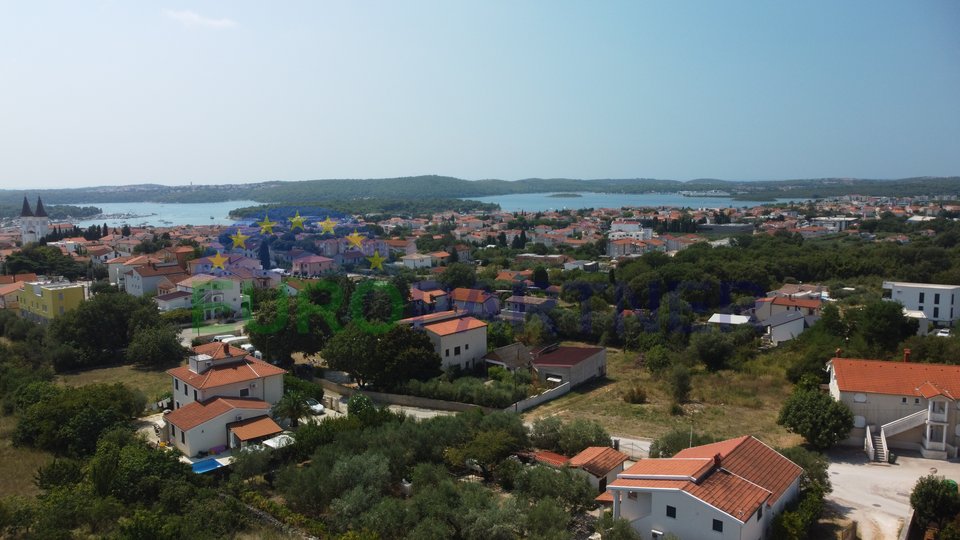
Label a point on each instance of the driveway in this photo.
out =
(877, 496)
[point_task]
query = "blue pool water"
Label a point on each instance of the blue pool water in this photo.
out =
(206, 465)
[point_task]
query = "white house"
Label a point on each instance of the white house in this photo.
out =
(459, 342)
(784, 326)
(937, 302)
(730, 490)
(899, 405)
(417, 260)
(217, 395)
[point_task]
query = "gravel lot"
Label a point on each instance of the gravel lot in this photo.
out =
(877, 496)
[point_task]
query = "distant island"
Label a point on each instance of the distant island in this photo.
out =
(412, 188)
(564, 195)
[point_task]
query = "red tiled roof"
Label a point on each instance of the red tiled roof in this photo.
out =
(218, 349)
(461, 294)
(551, 458)
(753, 460)
(254, 428)
(565, 356)
(604, 498)
(796, 302)
(895, 378)
(672, 467)
(598, 460)
(454, 326)
(248, 369)
(193, 414)
(736, 476)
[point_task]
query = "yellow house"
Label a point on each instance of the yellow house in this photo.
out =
(42, 301)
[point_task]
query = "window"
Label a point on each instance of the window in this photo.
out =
(632, 495)
(920, 308)
(936, 298)
(903, 400)
(244, 392)
(195, 394)
(759, 512)
(173, 430)
(936, 313)
(671, 511)
(176, 384)
(185, 389)
(446, 352)
(921, 297)
(456, 351)
(466, 347)
(916, 401)
(718, 525)
(183, 439)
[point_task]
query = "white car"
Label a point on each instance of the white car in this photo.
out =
(315, 406)
(943, 332)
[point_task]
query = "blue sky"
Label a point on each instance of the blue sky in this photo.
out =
(114, 92)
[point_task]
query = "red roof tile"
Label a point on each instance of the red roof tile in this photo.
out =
(461, 294)
(598, 460)
(193, 414)
(248, 369)
(668, 467)
(551, 458)
(895, 378)
(254, 428)
(447, 328)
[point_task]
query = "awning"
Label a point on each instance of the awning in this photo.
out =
(279, 441)
(255, 428)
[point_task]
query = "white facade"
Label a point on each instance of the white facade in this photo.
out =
(417, 261)
(211, 433)
(464, 349)
(269, 389)
(937, 302)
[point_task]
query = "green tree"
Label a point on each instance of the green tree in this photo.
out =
(679, 381)
(263, 253)
(714, 349)
(285, 325)
(155, 346)
(612, 528)
(935, 501)
(540, 277)
(354, 351)
(816, 417)
(292, 405)
(580, 434)
(882, 326)
(459, 275)
(815, 464)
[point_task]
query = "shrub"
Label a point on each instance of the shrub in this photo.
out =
(680, 383)
(635, 394)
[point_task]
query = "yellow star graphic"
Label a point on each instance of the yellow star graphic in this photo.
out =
(376, 262)
(239, 240)
(328, 225)
(218, 260)
(266, 226)
(296, 222)
(355, 239)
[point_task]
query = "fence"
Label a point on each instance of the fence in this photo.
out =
(401, 399)
(542, 397)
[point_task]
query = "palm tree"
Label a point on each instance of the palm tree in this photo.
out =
(292, 405)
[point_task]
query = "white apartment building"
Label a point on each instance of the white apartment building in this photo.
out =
(937, 302)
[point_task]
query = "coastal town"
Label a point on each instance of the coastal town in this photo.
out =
(536, 314)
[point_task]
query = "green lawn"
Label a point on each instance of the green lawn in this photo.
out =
(724, 404)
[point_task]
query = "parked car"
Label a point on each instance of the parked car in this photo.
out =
(943, 332)
(315, 406)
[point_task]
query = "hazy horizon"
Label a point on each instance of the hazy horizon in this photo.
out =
(104, 93)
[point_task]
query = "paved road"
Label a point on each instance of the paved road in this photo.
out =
(877, 496)
(187, 334)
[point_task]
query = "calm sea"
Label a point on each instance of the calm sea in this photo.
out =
(164, 214)
(533, 202)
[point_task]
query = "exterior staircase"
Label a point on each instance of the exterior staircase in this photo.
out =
(879, 454)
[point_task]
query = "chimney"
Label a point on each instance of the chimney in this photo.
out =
(838, 353)
(906, 355)
(716, 460)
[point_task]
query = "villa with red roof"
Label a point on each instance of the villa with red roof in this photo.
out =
(222, 399)
(899, 405)
(732, 489)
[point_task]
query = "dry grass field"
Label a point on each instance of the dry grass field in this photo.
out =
(151, 382)
(723, 404)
